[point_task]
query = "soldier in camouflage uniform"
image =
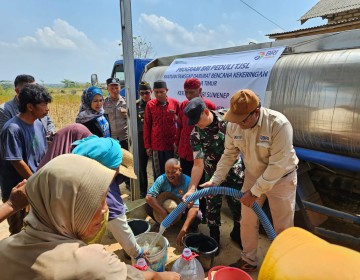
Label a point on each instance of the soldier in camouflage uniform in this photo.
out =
(207, 141)
(145, 96)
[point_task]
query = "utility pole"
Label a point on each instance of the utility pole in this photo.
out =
(128, 54)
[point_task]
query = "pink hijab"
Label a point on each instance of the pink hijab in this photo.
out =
(62, 141)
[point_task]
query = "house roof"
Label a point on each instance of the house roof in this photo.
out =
(328, 26)
(329, 7)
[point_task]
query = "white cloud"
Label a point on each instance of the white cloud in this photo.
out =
(55, 52)
(61, 36)
(27, 40)
(169, 38)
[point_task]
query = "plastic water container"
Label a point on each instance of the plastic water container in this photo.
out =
(142, 265)
(188, 266)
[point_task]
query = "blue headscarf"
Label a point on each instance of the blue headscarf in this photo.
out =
(86, 113)
(107, 151)
(90, 93)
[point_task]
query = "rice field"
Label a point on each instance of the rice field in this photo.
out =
(64, 107)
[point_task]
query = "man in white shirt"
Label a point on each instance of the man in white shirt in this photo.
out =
(265, 140)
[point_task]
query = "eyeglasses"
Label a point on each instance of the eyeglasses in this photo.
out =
(248, 116)
(145, 93)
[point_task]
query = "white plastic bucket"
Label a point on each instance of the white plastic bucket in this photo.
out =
(156, 261)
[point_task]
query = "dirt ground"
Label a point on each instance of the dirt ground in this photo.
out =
(230, 251)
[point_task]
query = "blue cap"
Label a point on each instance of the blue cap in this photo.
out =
(194, 109)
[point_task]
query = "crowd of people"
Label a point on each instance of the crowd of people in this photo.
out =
(191, 145)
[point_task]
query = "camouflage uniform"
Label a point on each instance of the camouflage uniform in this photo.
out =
(208, 143)
(143, 157)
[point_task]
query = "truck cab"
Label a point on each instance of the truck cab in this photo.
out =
(118, 72)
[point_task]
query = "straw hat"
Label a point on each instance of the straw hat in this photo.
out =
(169, 201)
(127, 165)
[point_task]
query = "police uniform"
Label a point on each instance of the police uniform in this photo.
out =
(117, 119)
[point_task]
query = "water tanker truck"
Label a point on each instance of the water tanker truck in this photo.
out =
(315, 83)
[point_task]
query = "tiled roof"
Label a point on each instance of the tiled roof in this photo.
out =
(329, 7)
(315, 27)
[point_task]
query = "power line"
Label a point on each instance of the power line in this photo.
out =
(261, 14)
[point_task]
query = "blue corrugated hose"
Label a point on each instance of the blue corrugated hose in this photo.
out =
(224, 191)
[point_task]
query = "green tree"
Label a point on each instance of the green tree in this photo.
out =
(6, 84)
(69, 84)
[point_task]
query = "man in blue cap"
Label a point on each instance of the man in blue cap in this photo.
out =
(207, 142)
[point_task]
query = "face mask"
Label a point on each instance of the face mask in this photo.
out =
(97, 237)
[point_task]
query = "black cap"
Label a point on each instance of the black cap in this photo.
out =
(159, 84)
(113, 81)
(194, 109)
(144, 86)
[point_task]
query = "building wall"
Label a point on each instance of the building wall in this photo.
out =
(344, 16)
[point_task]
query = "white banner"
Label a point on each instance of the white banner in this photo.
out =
(224, 74)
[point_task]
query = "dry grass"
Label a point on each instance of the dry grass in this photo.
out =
(5, 97)
(64, 107)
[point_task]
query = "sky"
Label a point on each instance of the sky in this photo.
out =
(55, 40)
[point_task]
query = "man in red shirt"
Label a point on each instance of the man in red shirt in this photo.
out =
(160, 127)
(192, 88)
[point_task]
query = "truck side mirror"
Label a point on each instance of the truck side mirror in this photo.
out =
(94, 79)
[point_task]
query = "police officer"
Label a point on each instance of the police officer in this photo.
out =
(145, 95)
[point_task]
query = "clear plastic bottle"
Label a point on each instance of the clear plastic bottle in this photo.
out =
(142, 265)
(188, 266)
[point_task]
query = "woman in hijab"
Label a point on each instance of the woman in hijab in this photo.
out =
(92, 113)
(63, 140)
(68, 206)
(60, 145)
(108, 152)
